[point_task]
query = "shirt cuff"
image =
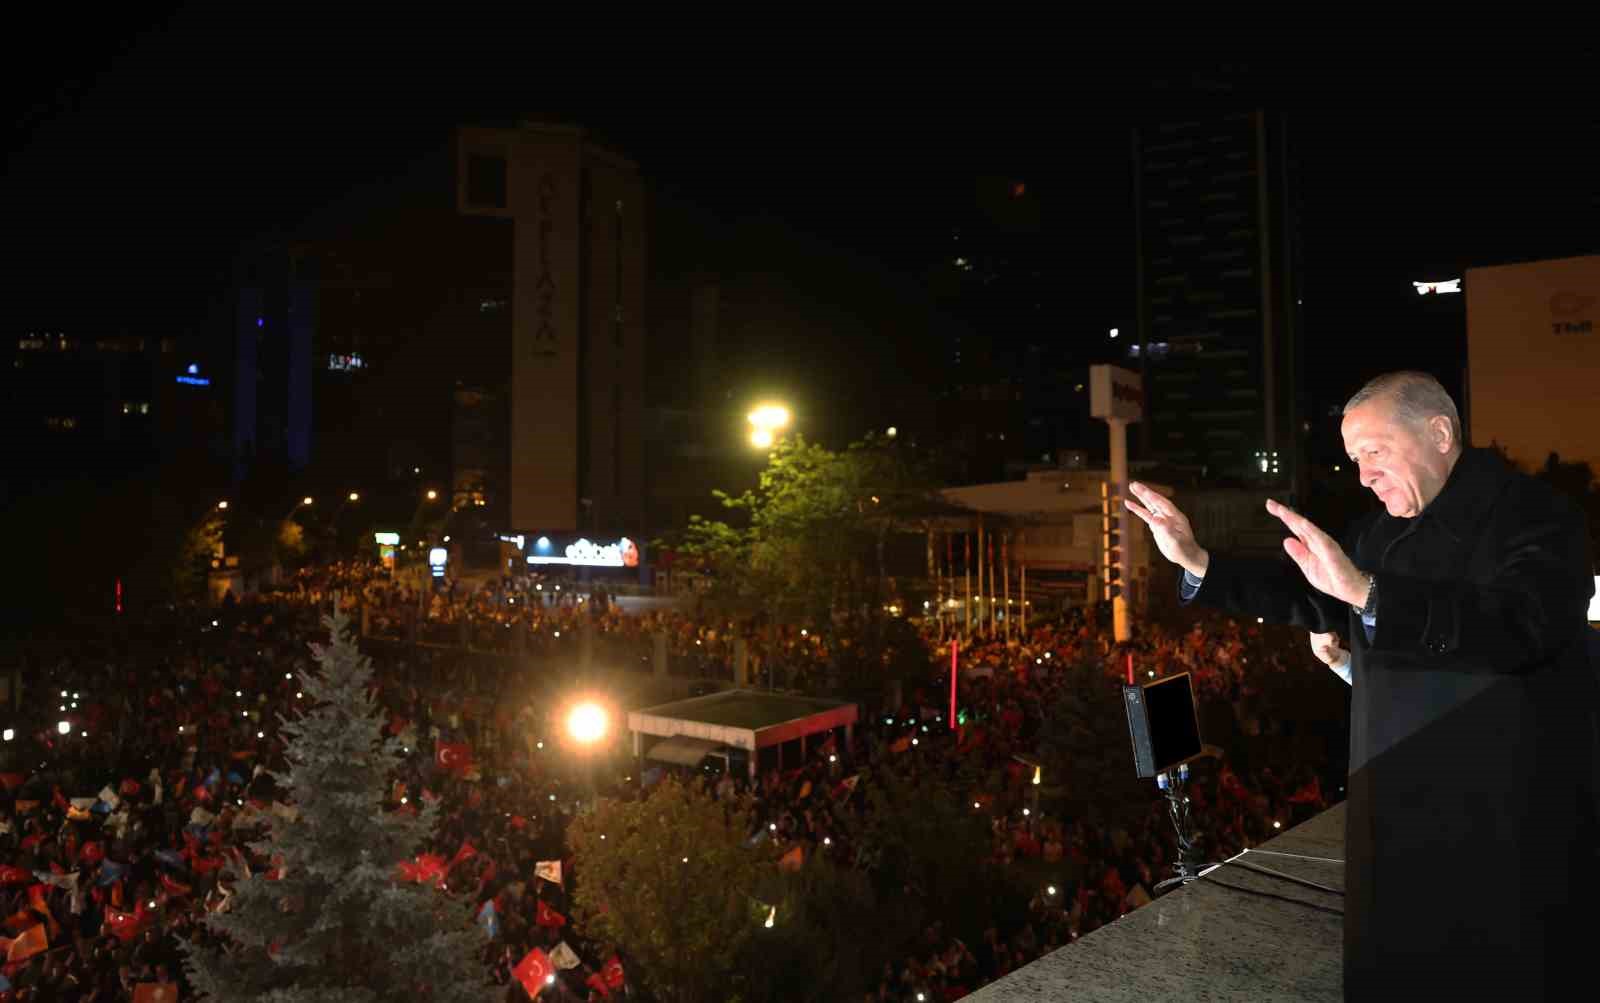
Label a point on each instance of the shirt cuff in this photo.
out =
(1189, 586)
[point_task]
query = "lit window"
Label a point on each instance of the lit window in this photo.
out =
(144, 408)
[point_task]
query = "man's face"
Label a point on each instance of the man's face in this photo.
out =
(1404, 466)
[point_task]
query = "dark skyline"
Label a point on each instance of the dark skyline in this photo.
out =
(143, 153)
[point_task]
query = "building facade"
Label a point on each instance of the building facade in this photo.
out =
(1219, 327)
(470, 332)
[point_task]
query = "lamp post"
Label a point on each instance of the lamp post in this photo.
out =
(766, 422)
(305, 502)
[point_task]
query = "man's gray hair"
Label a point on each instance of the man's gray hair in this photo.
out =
(1417, 397)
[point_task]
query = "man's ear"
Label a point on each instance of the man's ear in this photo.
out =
(1441, 435)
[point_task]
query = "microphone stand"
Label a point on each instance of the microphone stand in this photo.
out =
(1189, 864)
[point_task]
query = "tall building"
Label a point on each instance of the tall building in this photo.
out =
(1218, 277)
(108, 404)
(1016, 359)
(473, 327)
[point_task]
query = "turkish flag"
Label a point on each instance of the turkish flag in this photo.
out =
(28, 943)
(155, 992)
(1311, 793)
(534, 972)
(130, 787)
(427, 867)
(455, 756)
(174, 887)
(467, 852)
(92, 853)
(613, 973)
(792, 860)
(598, 984)
(11, 781)
(549, 917)
(15, 875)
(124, 924)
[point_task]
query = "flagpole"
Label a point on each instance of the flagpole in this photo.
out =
(950, 571)
(1023, 569)
(1005, 572)
(981, 593)
(966, 570)
(991, 555)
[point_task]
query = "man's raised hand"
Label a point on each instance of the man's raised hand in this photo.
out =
(1173, 535)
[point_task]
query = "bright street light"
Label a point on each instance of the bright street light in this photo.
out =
(587, 723)
(432, 495)
(765, 422)
(223, 505)
(769, 416)
(355, 496)
(306, 500)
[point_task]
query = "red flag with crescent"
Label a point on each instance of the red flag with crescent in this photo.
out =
(455, 756)
(613, 973)
(549, 917)
(534, 971)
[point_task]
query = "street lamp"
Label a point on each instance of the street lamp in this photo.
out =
(222, 505)
(307, 500)
(587, 723)
(433, 495)
(766, 422)
(355, 496)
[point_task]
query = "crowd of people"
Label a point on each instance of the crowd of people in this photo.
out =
(145, 772)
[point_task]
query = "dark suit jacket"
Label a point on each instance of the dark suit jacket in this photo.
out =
(1471, 840)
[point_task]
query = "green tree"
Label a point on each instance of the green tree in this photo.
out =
(192, 567)
(808, 545)
(830, 935)
(339, 926)
(670, 879)
(925, 843)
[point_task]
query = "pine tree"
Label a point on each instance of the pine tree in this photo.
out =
(339, 925)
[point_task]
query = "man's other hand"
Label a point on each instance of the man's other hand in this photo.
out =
(1173, 535)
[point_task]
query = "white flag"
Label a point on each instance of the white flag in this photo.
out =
(109, 796)
(550, 870)
(564, 957)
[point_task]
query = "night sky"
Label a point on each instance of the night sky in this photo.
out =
(144, 147)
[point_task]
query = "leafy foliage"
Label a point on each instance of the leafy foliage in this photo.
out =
(672, 882)
(338, 925)
(192, 567)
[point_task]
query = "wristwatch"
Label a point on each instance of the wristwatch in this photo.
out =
(1372, 599)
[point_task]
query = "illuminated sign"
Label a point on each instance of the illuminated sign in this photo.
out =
(191, 376)
(1447, 286)
(1115, 393)
(387, 539)
(622, 554)
(345, 363)
(519, 540)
